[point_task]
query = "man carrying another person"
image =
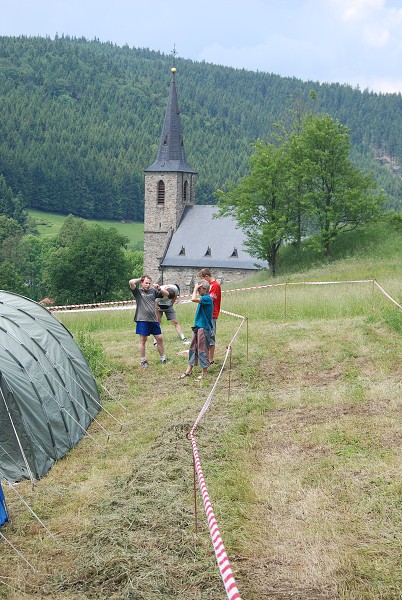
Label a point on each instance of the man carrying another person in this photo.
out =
(145, 316)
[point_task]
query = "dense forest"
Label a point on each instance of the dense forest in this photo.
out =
(80, 120)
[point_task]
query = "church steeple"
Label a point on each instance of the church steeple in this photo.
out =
(169, 188)
(171, 156)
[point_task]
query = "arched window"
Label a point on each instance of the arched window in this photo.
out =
(161, 192)
(185, 191)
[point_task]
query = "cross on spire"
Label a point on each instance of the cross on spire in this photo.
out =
(174, 53)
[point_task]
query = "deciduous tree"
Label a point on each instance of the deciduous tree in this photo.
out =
(337, 195)
(94, 268)
(261, 202)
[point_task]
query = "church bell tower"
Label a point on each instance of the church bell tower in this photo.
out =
(169, 187)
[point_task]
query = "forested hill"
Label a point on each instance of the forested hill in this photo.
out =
(80, 121)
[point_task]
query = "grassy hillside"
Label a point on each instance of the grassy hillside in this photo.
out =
(300, 450)
(50, 224)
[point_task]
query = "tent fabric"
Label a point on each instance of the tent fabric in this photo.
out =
(48, 396)
(3, 511)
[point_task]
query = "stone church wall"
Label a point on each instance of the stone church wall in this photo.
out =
(186, 277)
(160, 221)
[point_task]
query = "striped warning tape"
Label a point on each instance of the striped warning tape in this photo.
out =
(219, 548)
(226, 312)
(182, 299)
(91, 305)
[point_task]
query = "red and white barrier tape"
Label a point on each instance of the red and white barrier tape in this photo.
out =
(93, 305)
(129, 303)
(226, 312)
(221, 557)
(219, 548)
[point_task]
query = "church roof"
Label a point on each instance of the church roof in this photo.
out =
(202, 241)
(171, 156)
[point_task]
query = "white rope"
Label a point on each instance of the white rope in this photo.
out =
(387, 295)
(55, 365)
(62, 409)
(63, 387)
(30, 510)
(42, 369)
(211, 393)
(18, 552)
(24, 458)
(61, 368)
(104, 388)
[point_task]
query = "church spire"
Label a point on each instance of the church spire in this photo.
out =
(171, 156)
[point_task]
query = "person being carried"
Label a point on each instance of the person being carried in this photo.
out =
(164, 306)
(199, 347)
(216, 293)
(145, 317)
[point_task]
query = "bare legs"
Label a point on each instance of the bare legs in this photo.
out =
(178, 328)
(159, 344)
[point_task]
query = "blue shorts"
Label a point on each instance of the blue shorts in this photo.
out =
(146, 328)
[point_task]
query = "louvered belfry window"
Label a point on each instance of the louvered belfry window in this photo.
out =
(185, 191)
(161, 192)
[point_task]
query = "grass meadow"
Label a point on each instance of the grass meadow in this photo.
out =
(49, 224)
(300, 448)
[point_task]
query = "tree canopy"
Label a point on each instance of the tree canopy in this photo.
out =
(336, 194)
(92, 268)
(303, 184)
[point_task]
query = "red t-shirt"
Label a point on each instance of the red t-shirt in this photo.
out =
(215, 293)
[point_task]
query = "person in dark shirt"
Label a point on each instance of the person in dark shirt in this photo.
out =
(145, 315)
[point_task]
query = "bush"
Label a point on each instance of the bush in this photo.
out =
(93, 352)
(394, 220)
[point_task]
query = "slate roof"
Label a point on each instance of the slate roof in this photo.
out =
(202, 241)
(171, 156)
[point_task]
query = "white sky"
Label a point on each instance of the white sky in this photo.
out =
(358, 42)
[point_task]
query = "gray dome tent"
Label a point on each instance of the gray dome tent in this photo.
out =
(48, 396)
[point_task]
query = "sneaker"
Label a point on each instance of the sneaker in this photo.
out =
(185, 342)
(155, 343)
(164, 361)
(144, 364)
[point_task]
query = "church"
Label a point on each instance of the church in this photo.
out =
(180, 237)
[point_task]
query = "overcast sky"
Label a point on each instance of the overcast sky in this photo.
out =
(358, 42)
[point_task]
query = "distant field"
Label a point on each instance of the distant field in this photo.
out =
(50, 224)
